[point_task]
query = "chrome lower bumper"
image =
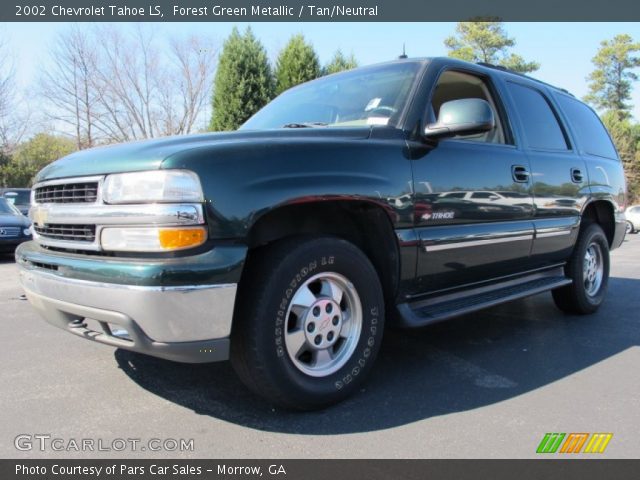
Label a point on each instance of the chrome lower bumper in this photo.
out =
(186, 323)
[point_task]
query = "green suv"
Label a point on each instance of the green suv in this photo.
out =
(404, 193)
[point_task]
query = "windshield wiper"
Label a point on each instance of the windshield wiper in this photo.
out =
(305, 125)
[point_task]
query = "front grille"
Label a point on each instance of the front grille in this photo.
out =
(74, 233)
(86, 192)
(6, 232)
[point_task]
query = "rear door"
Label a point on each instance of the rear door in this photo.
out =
(559, 174)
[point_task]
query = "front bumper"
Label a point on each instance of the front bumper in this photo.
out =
(182, 322)
(11, 243)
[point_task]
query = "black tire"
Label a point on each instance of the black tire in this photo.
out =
(630, 228)
(576, 298)
(259, 350)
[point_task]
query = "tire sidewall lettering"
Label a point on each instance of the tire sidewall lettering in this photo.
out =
(354, 367)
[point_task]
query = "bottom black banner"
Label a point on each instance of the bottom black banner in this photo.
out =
(581, 469)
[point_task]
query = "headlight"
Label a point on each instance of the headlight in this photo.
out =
(165, 186)
(152, 239)
(27, 231)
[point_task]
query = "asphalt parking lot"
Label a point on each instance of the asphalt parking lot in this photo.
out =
(487, 385)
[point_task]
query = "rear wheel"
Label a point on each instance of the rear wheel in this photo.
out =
(310, 322)
(588, 267)
(630, 228)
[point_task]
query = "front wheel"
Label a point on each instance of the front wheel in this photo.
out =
(629, 227)
(588, 267)
(309, 323)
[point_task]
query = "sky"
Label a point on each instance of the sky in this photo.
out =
(564, 50)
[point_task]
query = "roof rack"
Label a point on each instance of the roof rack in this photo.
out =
(505, 69)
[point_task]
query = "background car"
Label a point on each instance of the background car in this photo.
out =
(20, 197)
(15, 228)
(633, 218)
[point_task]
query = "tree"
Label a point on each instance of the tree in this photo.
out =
(13, 114)
(110, 85)
(31, 156)
(243, 82)
(611, 81)
(486, 41)
(297, 63)
(626, 138)
(340, 63)
(69, 84)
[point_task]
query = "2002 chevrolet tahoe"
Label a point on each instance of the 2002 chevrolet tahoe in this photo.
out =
(407, 192)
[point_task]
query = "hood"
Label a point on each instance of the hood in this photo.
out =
(149, 154)
(14, 221)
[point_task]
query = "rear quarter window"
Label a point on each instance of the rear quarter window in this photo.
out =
(587, 127)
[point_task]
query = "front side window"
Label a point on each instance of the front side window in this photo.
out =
(366, 96)
(453, 85)
(483, 195)
(541, 127)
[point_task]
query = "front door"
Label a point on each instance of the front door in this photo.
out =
(473, 202)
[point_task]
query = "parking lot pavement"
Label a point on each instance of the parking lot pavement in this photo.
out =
(490, 384)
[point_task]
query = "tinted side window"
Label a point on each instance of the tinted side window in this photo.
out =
(541, 127)
(481, 195)
(588, 128)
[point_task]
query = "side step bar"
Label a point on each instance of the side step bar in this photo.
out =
(436, 309)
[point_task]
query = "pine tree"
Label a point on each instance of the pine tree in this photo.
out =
(297, 63)
(243, 83)
(486, 41)
(611, 81)
(340, 63)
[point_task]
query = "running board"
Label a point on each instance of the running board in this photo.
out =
(436, 309)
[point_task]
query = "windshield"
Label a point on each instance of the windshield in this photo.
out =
(8, 209)
(22, 197)
(367, 96)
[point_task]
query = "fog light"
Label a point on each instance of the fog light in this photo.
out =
(152, 239)
(119, 332)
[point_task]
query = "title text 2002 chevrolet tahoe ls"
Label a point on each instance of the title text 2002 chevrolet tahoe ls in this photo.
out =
(407, 192)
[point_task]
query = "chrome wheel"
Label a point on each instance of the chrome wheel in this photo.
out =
(593, 269)
(324, 322)
(629, 228)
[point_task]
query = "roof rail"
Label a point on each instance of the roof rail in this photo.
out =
(505, 69)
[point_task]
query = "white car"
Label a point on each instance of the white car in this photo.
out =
(633, 218)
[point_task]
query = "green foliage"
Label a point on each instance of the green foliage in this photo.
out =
(611, 81)
(297, 63)
(16, 175)
(626, 137)
(486, 41)
(243, 82)
(31, 156)
(340, 63)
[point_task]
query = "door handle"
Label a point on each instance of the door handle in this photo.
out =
(576, 175)
(520, 173)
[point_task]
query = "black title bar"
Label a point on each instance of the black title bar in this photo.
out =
(316, 10)
(118, 469)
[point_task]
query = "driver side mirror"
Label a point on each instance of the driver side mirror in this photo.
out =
(466, 116)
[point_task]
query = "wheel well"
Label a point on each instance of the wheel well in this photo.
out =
(601, 212)
(365, 225)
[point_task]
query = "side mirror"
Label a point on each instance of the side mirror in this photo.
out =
(466, 116)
